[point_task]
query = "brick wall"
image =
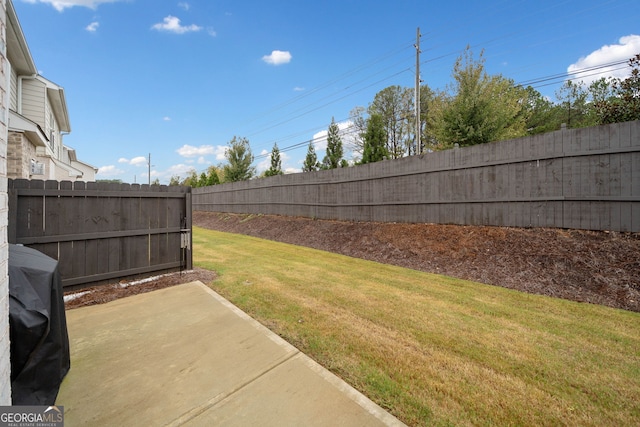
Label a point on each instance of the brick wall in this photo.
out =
(5, 364)
(20, 152)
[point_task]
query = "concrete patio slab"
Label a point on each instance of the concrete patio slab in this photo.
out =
(185, 356)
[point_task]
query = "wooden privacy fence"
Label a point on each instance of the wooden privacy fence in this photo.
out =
(102, 231)
(572, 178)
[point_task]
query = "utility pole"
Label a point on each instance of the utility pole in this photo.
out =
(418, 127)
(149, 165)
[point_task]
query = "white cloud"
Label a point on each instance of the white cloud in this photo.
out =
(166, 119)
(628, 47)
(203, 150)
(172, 24)
(138, 161)
(277, 57)
(93, 27)
(263, 165)
(109, 170)
(180, 170)
(320, 138)
(203, 161)
(298, 89)
(211, 32)
(184, 5)
(61, 5)
(320, 141)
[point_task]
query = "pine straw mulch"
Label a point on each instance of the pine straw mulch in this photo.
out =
(587, 266)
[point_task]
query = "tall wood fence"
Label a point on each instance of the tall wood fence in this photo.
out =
(102, 231)
(579, 178)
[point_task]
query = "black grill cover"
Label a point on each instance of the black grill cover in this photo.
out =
(38, 327)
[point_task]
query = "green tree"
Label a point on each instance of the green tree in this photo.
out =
(427, 97)
(375, 139)
(359, 128)
(540, 113)
(624, 103)
(239, 158)
(333, 157)
(481, 108)
(574, 102)
(175, 180)
(276, 163)
(192, 179)
(213, 176)
(202, 180)
(311, 160)
(394, 105)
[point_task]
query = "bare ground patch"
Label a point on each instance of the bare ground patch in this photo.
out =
(112, 291)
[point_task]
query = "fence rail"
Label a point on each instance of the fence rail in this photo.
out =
(579, 178)
(102, 231)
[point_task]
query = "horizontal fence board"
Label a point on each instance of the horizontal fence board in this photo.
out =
(572, 178)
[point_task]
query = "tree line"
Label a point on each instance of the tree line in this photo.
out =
(475, 108)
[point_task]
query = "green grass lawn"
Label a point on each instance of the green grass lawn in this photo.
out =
(435, 350)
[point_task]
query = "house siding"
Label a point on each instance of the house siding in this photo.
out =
(34, 101)
(13, 96)
(5, 345)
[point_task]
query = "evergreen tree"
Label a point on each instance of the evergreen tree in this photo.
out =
(276, 163)
(212, 176)
(239, 160)
(311, 160)
(482, 108)
(333, 157)
(202, 181)
(375, 140)
(541, 114)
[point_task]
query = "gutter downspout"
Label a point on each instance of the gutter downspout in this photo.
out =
(19, 89)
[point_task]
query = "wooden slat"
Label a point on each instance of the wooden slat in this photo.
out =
(98, 230)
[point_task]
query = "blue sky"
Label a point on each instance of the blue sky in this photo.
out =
(179, 79)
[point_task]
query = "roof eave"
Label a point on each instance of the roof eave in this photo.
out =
(17, 47)
(59, 105)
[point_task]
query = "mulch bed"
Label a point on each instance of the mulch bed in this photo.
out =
(587, 266)
(124, 288)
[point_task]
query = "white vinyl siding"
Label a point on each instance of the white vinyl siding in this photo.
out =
(33, 101)
(13, 95)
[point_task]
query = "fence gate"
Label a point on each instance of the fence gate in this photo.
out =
(102, 231)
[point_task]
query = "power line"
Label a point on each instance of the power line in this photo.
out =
(306, 94)
(560, 19)
(567, 74)
(592, 70)
(309, 108)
